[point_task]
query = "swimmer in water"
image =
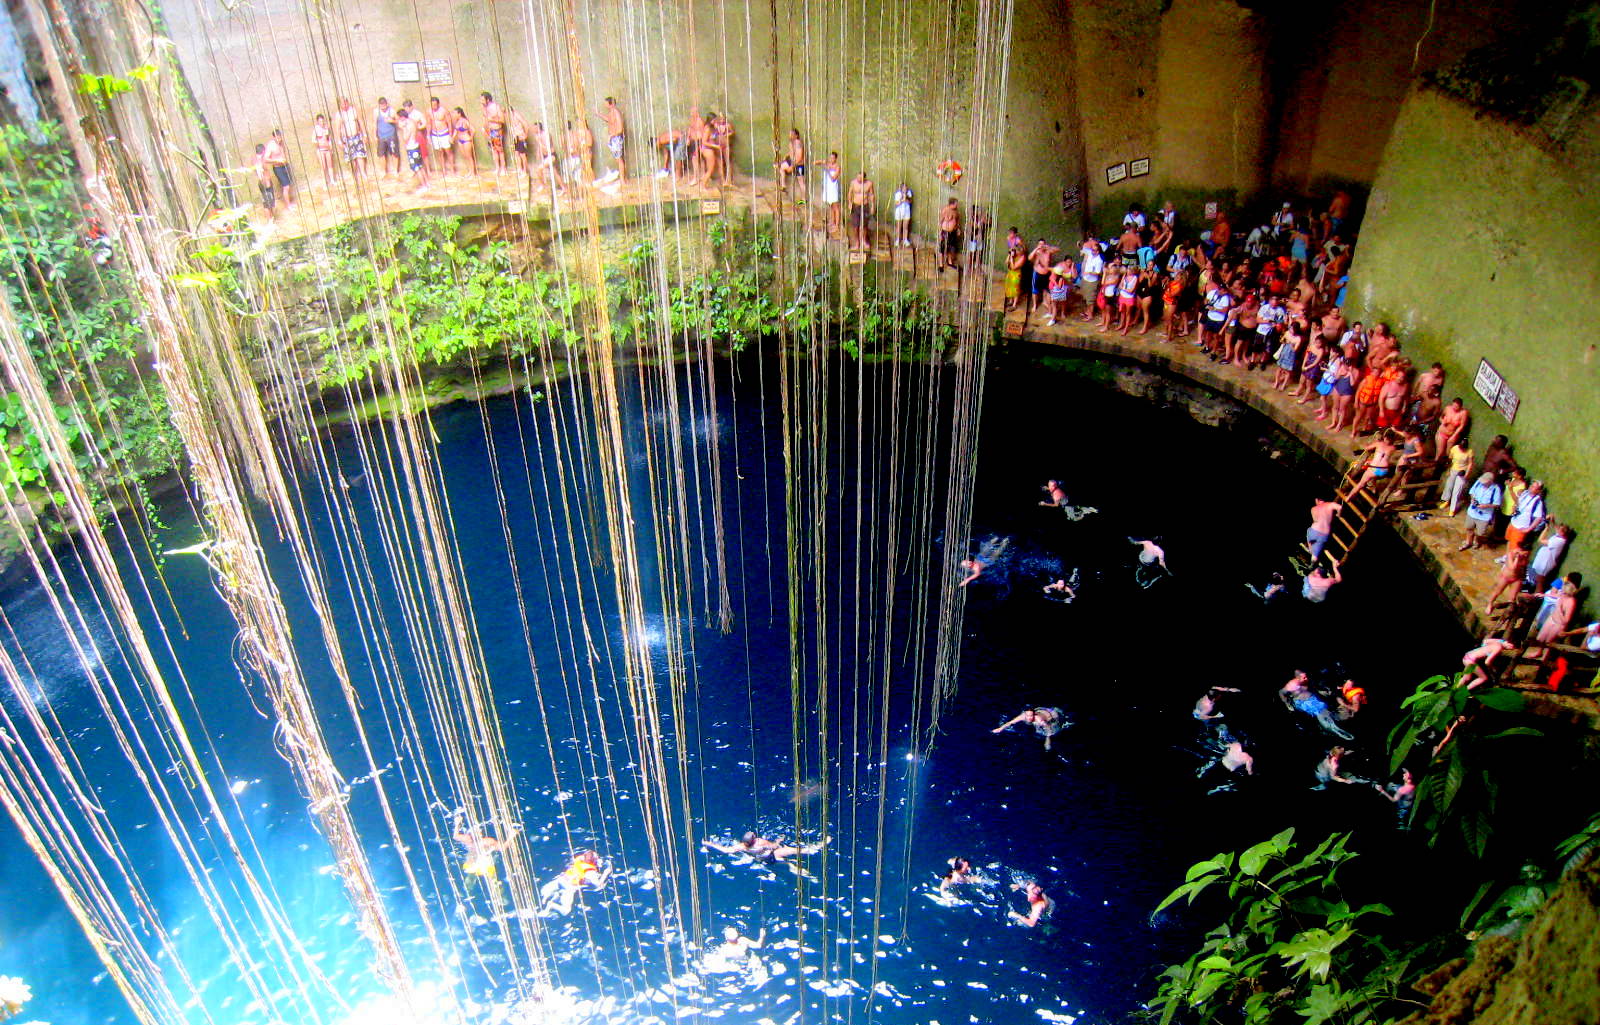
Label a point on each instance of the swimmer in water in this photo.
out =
(1063, 589)
(1401, 797)
(1273, 589)
(736, 953)
(584, 873)
(1058, 495)
(480, 847)
(960, 873)
(1328, 769)
(989, 553)
(1046, 722)
(1151, 557)
(1039, 904)
(1297, 696)
(1233, 758)
(1205, 710)
(762, 849)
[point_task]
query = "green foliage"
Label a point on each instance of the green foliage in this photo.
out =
(1456, 792)
(1289, 948)
(81, 325)
(420, 293)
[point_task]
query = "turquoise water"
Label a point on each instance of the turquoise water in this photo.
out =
(1105, 821)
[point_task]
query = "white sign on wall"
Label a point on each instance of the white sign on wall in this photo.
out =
(436, 71)
(407, 71)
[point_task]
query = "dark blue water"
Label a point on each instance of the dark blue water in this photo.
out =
(1106, 820)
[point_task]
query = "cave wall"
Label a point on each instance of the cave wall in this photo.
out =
(1482, 241)
(885, 85)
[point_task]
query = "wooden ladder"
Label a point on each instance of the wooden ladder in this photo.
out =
(1357, 510)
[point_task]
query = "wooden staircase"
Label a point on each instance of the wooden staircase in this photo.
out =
(1358, 509)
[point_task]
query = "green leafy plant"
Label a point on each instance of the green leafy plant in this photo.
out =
(1290, 946)
(1456, 791)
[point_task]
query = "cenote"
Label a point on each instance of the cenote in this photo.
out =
(1106, 820)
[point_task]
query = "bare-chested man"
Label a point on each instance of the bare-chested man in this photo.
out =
(1333, 325)
(674, 153)
(494, 129)
(863, 199)
(1321, 529)
(616, 138)
(949, 234)
(353, 136)
(276, 156)
(441, 142)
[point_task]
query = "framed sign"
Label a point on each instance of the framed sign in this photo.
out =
(1494, 391)
(407, 71)
(1139, 168)
(711, 207)
(1115, 173)
(1487, 383)
(858, 256)
(1069, 199)
(436, 71)
(1211, 210)
(1013, 327)
(1506, 403)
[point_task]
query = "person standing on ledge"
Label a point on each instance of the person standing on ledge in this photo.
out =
(615, 138)
(949, 234)
(1483, 500)
(902, 215)
(830, 192)
(276, 157)
(863, 197)
(352, 137)
(494, 129)
(383, 126)
(792, 168)
(441, 137)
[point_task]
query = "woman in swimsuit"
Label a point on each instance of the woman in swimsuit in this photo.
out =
(1310, 363)
(322, 136)
(1145, 294)
(1344, 393)
(465, 149)
(1107, 300)
(1039, 904)
(1127, 295)
(1288, 357)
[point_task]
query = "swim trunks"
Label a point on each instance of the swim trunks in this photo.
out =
(414, 157)
(355, 147)
(268, 197)
(281, 172)
(388, 147)
(860, 216)
(614, 144)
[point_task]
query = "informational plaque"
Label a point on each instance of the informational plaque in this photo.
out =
(1211, 210)
(1495, 392)
(407, 71)
(1139, 168)
(1013, 327)
(1070, 198)
(858, 256)
(1506, 403)
(711, 207)
(436, 71)
(1487, 383)
(1116, 172)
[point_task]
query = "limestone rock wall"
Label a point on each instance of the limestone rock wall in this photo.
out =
(1481, 242)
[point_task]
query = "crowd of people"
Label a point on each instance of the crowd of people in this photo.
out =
(442, 141)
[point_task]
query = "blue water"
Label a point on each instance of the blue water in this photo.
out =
(1106, 820)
